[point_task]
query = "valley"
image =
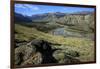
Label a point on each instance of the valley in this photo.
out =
(54, 38)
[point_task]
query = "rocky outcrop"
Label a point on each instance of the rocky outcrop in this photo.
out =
(79, 22)
(41, 52)
(22, 53)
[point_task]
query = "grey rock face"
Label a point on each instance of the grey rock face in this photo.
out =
(35, 52)
(22, 53)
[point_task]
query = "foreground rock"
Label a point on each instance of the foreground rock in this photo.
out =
(41, 52)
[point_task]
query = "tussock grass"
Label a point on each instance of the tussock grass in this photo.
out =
(26, 33)
(84, 46)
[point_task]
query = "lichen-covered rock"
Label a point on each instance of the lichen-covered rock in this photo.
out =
(34, 59)
(34, 52)
(22, 53)
(66, 57)
(42, 52)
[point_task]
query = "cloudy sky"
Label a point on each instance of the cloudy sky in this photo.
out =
(31, 9)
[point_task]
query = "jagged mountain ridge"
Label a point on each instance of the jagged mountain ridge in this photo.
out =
(46, 16)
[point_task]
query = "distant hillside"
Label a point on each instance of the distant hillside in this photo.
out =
(21, 18)
(82, 13)
(47, 17)
(81, 21)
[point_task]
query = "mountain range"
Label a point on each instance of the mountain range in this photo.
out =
(45, 16)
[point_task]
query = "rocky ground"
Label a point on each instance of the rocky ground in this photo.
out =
(42, 52)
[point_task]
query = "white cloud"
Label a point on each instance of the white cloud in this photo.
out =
(32, 7)
(27, 6)
(19, 6)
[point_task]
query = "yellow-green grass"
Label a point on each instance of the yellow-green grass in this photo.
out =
(27, 34)
(84, 46)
